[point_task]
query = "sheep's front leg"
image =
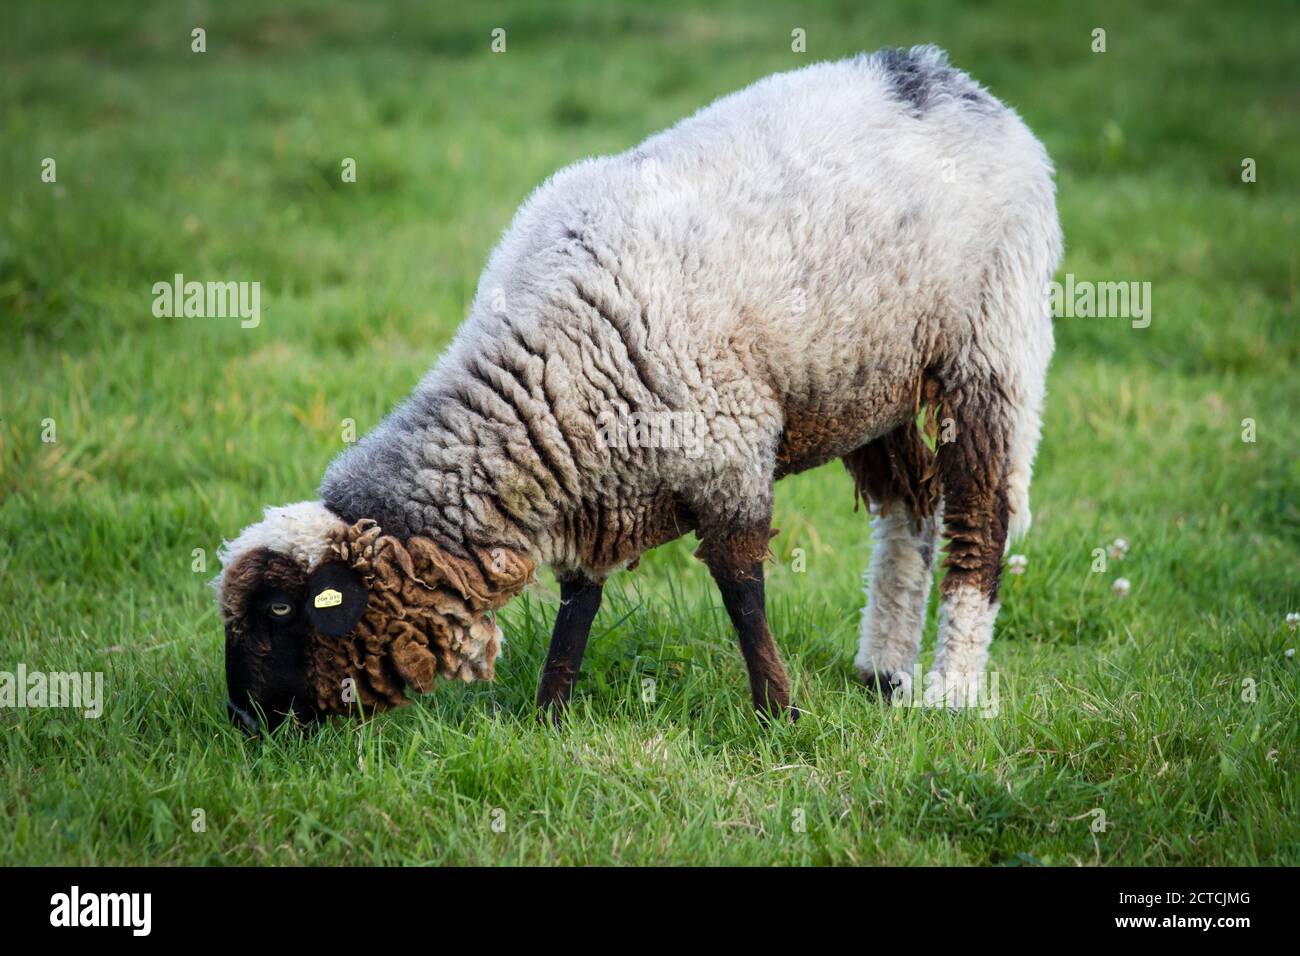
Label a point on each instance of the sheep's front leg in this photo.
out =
(736, 563)
(974, 471)
(579, 602)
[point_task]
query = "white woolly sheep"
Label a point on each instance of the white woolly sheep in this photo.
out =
(784, 278)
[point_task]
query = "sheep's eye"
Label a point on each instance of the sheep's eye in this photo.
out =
(280, 609)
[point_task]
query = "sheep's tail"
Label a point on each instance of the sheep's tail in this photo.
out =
(1019, 339)
(1025, 382)
(1026, 428)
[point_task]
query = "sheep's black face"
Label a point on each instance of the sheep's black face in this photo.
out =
(324, 618)
(268, 637)
(276, 616)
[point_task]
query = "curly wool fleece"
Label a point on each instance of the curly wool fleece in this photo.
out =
(783, 276)
(786, 273)
(427, 615)
(781, 272)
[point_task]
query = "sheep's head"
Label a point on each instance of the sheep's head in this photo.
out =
(324, 618)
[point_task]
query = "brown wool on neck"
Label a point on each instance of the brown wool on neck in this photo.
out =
(427, 615)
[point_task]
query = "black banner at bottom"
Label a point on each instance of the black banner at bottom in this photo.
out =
(344, 906)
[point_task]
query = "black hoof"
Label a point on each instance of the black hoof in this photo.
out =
(767, 715)
(882, 685)
(552, 713)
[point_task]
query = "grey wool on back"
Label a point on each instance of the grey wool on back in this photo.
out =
(796, 254)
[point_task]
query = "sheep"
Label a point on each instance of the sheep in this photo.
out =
(788, 277)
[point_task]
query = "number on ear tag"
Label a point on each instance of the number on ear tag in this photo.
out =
(329, 598)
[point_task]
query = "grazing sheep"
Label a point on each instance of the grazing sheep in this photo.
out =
(785, 278)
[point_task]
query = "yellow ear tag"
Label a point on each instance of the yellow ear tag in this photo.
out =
(329, 598)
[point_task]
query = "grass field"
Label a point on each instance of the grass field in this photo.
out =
(1161, 727)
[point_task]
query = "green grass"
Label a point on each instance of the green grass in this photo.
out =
(174, 432)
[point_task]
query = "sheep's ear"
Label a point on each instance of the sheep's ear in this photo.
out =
(336, 599)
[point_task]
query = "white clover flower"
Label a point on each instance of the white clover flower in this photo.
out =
(1290, 652)
(1118, 549)
(1293, 620)
(1017, 563)
(1121, 587)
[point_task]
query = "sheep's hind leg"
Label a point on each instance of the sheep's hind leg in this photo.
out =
(736, 563)
(974, 471)
(579, 602)
(897, 473)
